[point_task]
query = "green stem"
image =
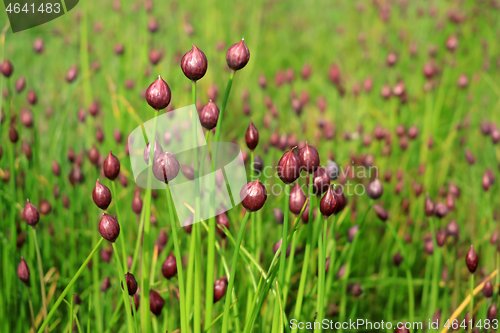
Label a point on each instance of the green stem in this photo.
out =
(145, 314)
(436, 271)
(122, 238)
(69, 286)
(223, 109)
(321, 275)
(196, 227)
(40, 271)
(241, 232)
(471, 305)
(178, 260)
(307, 253)
(283, 249)
(32, 313)
(125, 294)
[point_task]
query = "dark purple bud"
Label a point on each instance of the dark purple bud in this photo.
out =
(375, 189)
(13, 134)
(71, 74)
(157, 151)
(252, 136)
(332, 170)
(279, 217)
(194, 64)
(111, 166)
(93, 155)
(397, 259)
(309, 158)
(328, 203)
(429, 246)
(453, 230)
(30, 214)
(166, 167)
(20, 84)
(26, 118)
(321, 181)
(6, 68)
(209, 115)
(137, 203)
(156, 302)
(169, 267)
(220, 287)
(109, 228)
(471, 260)
(237, 56)
(253, 195)
(131, 284)
(101, 195)
(351, 233)
(297, 199)
(276, 247)
(452, 43)
(341, 199)
(441, 237)
(440, 210)
(470, 157)
(492, 312)
(222, 220)
(105, 285)
(428, 206)
(488, 289)
(158, 94)
(23, 272)
(31, 97)
(380, 212)
(289, 167)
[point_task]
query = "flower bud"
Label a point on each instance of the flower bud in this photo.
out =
(252, 136)
(279, 217)
(109, 228)
(209, 115)
(441, 210)
(492, 312)
(131, 284)
(158, 94)
(156, 302)
(341, 199)
(166, 167)
(106, 284)
(157, 151)
(309, 158)
(220, 287)
(380, 212)
(222, 220)
(30, 214)
(137, 203)
(169, 267)
(471, 260)
(237, 56)
(6, 68)
(253, 195)
(397, 259)
(194, 64)
(289, 167)
(321, 181)
(71, 74)
(297, 199)
(332, 170)
(375, 189)
(429, 206)
(23, 272)
(488, 289)
(111, 166)
(101, 195)
(277, 246)
(328, 203)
